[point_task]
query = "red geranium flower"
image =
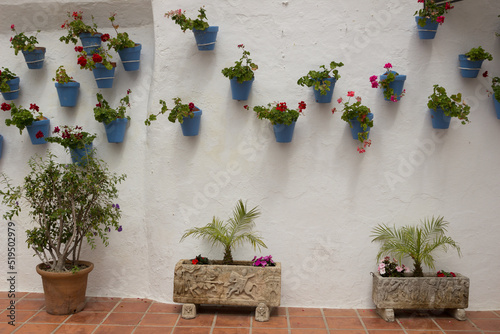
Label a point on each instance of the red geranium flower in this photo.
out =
(33, 106)
(191, 108)
(78, 48)
(82, 61)
(56, 129)
(5, 106)
(96, 58)
(104, 37)
(194, 261)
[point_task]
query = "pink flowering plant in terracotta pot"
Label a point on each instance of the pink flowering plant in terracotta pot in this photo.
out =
(432, 11)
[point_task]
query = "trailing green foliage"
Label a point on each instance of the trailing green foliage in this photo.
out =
(278, 113)
(21, 42)
(495, 85)
(104, 113)
(317, 78)
(178, 112)
(76, 26)
(6, 75)
(121, 41)
(186, 23)
(61, 76)
(72, 137)
(451, 105)
(235, 232)
(21, 117)
(239, 71)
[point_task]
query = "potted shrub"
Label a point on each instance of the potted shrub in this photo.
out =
(391, 82)
(471, 62)
(430, 16)
(495, 86)
(99, 63)
(77, 205)
(33, 55)
(323, 81)
(228, 282)
(444, 107)
(188, 115)
(9, 84)
(417, 290)
(114, 119)
(79, 142)
(33, 120)
(128, 50)
(204, 34)
(90, 38)
(241, 75)
(282, 119)
(67, 88)
(359, 118)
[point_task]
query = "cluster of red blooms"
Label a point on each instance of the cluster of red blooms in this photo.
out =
(191, 105)
(5, 106)
(67, 133)
(33, 106)
(443, 273)
(281, 106)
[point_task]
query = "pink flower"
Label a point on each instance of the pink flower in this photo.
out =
(358, 98)
(448, 6)
(129, 91)
(334, 110)
(362, 150)
(393, 98)
(440, 19)
(388, 66)
(350, 93)
(381, 271)
(373, 78)
(12, 27)
(339, 100)
(374, 84)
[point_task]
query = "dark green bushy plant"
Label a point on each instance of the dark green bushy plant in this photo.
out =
(317, 78)
(279, 113)
(451, 105)
(104, 113)
(478, 53)
(240, 71)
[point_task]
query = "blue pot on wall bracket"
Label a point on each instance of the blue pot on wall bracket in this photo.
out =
(284, 133)
(439, 119)
(115, 130)
(327, 98)
(131, 57)
(191, 126)
(497, 106)
(14, 89)
(241, 91)
(34, 59)
(205, 39)
(68, 93)
(397, 85)
(80, 155)
(38, 131)
(104, 77)
(469, 68)
(90, 42)
(356, 127)
(428, 31)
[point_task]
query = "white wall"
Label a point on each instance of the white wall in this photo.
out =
(319, 198)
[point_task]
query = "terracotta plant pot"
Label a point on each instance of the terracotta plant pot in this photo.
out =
(65, 292)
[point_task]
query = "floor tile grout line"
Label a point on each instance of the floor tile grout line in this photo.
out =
(213, 322)
(400, 324)
(107, 316)
(434, 321)
(143, 315)
(361, 320)
(324, 319)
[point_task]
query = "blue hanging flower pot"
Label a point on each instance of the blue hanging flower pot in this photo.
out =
(356, 127)
(191, 126)
(469, 68)
(397, 85)
(205, 39)
(80, 155)
(34, 59)
(497, 106)
(14, 89)
(284, 133)
(241, 91)
(104, 77)
(327, 98)
(131, 57)
(439, 119)
(38, 131)
(428, 31)
(68, 93)
(115, 130)
(90, 42)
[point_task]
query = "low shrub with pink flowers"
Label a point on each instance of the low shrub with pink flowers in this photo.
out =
(388, 268)
(432, 11)
(263, 261)
(384, 84)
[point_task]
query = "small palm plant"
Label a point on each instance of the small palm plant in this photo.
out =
(417, 242)
(235, 232)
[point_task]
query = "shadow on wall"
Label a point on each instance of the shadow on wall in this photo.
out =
(48, 15)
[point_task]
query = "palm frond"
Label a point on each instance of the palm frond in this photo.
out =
(254, 240)
(242, 220)
(214, 232)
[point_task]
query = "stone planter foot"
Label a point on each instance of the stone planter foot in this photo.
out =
(386, 313)
(262, 312)
(188, 311)
(457, 313)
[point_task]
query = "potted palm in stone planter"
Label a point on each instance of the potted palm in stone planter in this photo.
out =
(471, 62)
(67, 88)
(188, 115)
(33, 120)
(69, 206)
(398, 289)
(281, 117)
(100, 64)
(9, 84)
(128, 50)
(204, 34)
(78, 142)
(33, 55)
(444, 107)
(359, 118)
(228, 282)
(241, 76)
(114, 119)
(430, 17)
(391, 82)
(89, 37)
(323, 81)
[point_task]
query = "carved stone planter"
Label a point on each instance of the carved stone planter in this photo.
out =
(240, 285)
(416, 293)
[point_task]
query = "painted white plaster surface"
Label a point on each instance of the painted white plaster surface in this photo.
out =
(319, 198)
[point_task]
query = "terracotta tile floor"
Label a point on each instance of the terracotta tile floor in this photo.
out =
(142, 316)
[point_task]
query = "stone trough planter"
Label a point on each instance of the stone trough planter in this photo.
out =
(240, 284)
(417, 293)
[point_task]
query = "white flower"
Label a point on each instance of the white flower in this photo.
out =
(381, 271)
